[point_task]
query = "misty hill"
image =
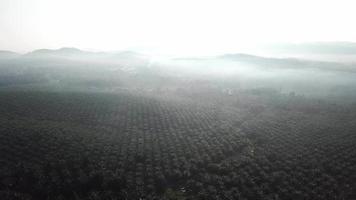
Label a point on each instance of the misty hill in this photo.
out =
(8, 54)
(260, 60)
(75, 54)
(62, 52)
(272, 62)
(72, 66)
(69, 51)
(317, 48)
(286, 62)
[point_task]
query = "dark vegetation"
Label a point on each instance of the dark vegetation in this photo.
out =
(83, 125)
(179, 145)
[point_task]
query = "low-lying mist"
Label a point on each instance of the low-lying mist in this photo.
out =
(70, 68)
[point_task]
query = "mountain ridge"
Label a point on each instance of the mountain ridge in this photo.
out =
(8, 54)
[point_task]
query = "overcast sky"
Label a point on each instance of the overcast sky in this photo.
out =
(172, 25)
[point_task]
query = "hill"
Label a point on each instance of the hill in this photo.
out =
(8, 54)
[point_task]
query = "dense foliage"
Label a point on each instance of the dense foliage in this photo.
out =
(77, 145)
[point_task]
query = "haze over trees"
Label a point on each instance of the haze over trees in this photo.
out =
(78, 124)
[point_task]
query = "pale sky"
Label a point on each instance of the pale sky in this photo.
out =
(172, 25)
